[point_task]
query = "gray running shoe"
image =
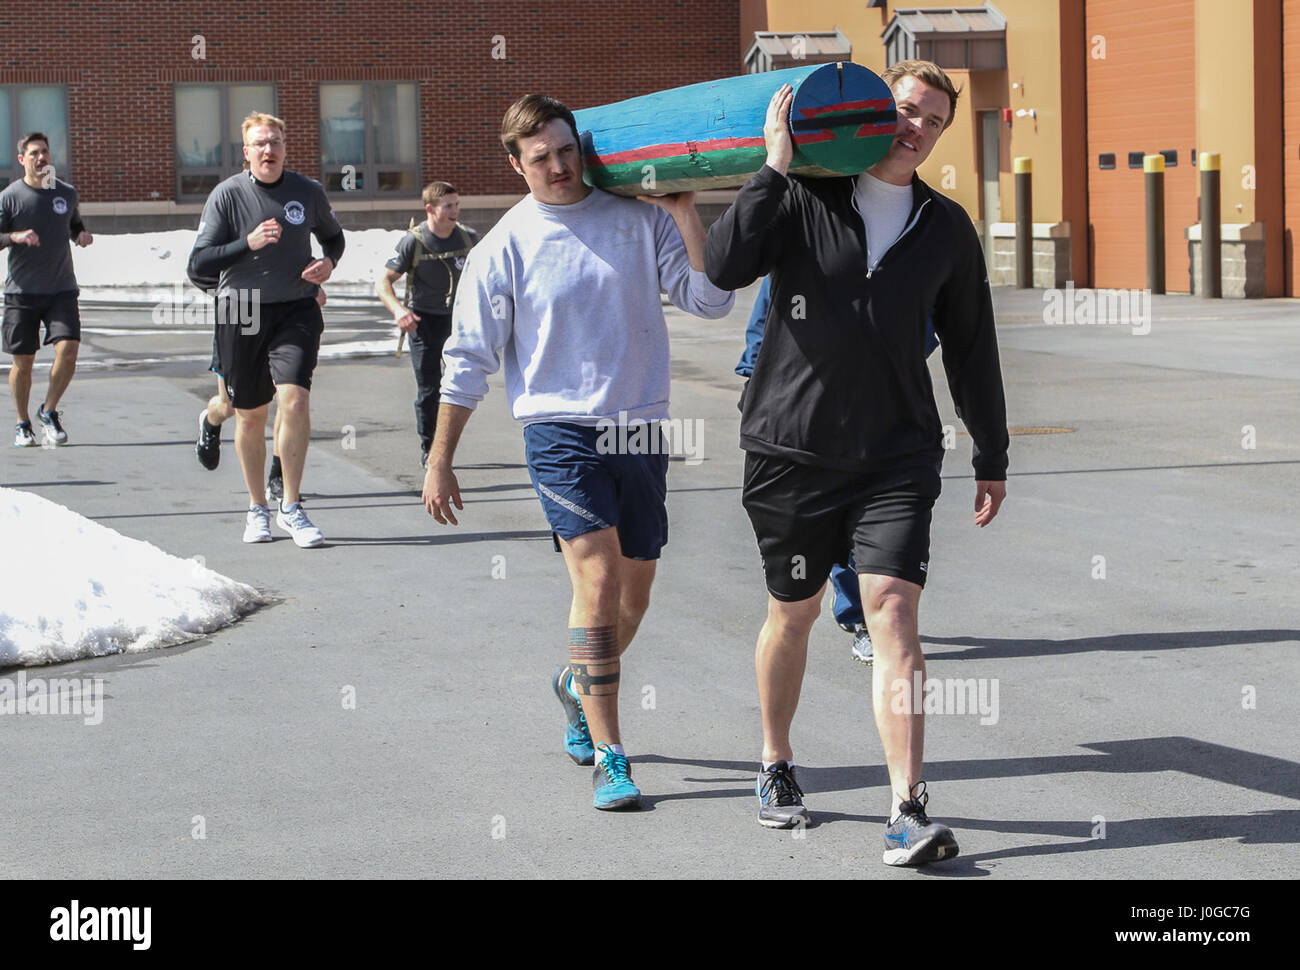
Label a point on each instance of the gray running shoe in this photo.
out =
(54, 433)
(912, 839)
(780, 800)
(23, 436)
(861, 651)
(275, 486)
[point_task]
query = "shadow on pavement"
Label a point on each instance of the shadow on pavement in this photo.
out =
(1203, 759)
(445, 539)
(1136, 468)
(988, 648)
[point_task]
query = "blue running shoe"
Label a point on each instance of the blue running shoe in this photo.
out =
(912, 839)
(612, 780)
(577, 737)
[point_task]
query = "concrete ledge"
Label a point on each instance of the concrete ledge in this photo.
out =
(480, 212)
(1230, 232)
(1041, 230)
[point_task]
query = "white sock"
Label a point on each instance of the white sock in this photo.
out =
(617, 749)
(767, 765)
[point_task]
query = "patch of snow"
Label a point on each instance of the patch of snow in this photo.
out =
(72, 588)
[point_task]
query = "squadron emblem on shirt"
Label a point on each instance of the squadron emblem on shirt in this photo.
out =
(60, 205)
(294, 212)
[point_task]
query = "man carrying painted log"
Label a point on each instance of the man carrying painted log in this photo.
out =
(843, 439)
(567, 284)
(39, 220)
(431, 256)
(255, 233)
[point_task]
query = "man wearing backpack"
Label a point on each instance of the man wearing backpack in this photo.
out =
(431, 255)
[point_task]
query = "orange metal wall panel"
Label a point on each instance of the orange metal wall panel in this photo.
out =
(1291, 139)
(1141, 97)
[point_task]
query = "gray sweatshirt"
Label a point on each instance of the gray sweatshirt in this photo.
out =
(571, 295)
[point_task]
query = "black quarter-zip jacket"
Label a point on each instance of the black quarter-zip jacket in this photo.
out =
(841, 379)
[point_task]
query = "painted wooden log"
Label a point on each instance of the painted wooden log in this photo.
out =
(710, 135)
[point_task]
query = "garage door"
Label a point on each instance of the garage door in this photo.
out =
(1141, 100)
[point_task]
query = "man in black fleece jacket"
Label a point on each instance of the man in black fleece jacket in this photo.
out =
(842, 434)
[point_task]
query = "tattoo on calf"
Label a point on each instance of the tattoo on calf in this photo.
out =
(592, 649)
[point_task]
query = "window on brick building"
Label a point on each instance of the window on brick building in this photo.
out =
(26, 108)
(209, 139)
(370, 138)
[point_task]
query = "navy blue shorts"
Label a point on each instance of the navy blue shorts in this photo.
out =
(583, 490)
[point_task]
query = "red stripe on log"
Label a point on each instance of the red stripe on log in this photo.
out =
(670, 151)
(881, 103)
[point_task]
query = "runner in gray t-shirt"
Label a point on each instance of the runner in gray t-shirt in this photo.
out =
(431, 255)
(38, 216)
(255, 237)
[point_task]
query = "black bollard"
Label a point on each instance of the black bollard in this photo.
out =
(1154, 168)
(1024, 170)
(1211, 230)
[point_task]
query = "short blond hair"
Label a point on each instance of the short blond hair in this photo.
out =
(927, 72)
(260, 118)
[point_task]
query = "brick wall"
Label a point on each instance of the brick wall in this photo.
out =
(120, 58)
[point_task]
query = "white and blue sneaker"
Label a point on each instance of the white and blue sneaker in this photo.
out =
(54, 433)
(23, 435)
(292, 518)
(912, 839)
(612, 781)
(861, 650)
(257, 527)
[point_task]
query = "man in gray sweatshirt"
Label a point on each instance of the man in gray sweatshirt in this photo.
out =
(38, 217)
(567, 286)
(255, 237)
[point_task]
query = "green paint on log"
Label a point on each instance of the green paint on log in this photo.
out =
(722, 168)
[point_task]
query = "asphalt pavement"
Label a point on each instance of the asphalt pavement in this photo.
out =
(1132, 611)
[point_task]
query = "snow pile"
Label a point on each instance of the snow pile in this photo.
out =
(71, 588)
(159, 258)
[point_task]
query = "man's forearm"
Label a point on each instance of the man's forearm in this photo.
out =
(452, 419)
(387, 296)
(691, 228)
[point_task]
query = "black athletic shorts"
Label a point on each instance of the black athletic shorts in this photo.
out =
(261, 346)
(25, 312)
(807, 519)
